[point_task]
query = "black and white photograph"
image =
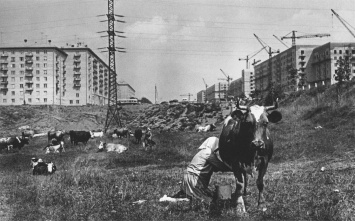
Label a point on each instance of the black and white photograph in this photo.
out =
(177, 110)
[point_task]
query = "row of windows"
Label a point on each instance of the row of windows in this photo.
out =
(13, 59)
(23, 65)
(21, 52)
(346, 51)
(23, 72)
(13, 79)
(12, 86)
(38, 100)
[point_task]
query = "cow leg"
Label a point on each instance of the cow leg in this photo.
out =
(246, 182)
(260, 184)
(239, 181)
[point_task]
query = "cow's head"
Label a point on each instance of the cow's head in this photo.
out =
(25, 140)
(254, 123)
(102, 146)
(51, 167)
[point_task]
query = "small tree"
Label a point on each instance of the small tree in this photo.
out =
(292, 77)
(145, 100)
(302, 80)
(343, 73)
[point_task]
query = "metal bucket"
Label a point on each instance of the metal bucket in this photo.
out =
(224, 192)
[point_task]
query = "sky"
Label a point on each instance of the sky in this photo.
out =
(175, 44)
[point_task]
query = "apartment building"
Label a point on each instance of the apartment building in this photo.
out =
(124, 90)
(217, 92)
(50, 75)
(248, 80)
(201, 96)
(236, 87)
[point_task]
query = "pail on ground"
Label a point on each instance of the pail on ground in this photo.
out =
(224, 192)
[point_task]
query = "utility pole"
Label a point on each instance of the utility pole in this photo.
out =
(112, 104)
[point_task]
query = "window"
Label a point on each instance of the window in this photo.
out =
(37, 85)
(37, 58)
(13, 72)
(37, 78)
(45, 58)
(77, 94)
(13, 86)
(13, 65)
(37, 100)
(45, 100)
(302, 51)
(4, 100)
(37, 93)
(21, 59)
(37, 72)
(37, 65)
(347, 52)
(45, 72)
(340, 51)
(45, 65)
(335, 51)
(29, 100)
(45, 93)
(45, 85)
(71, 101)
(21, 93)
(13, 100)
(21, 85)
(353, 52)
(22, 65)
(77, 101)
(22, 72)
(45, 78)
(12, 59)
(21, 78)
(13, 79)
(12, 92)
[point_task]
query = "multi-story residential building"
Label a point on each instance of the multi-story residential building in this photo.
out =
(201, 96)
(217, 92)
(324, 62)
(124, 90)
(276, 69)
(248, 82)
(50, 75)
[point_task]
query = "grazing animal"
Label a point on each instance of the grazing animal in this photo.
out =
(245, 143)
(79, 136)
(110, 147)
(207, 128)
(35, 161)
(58, 135)
(95, 134)
(122, 132)
(13, 142)
(138, 133)
(42, 168)
(28, 133)
(55, 148)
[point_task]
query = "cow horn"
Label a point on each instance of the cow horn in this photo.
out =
(241, 107)
(276, 105)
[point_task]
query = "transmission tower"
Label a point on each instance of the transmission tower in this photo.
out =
(112, 106)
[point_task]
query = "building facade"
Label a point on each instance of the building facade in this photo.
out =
(217, 92)
(124, 90)
(201, 96)
(236, 88)
(248, 82)
(52, 76)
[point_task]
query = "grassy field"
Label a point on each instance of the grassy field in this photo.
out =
(103, 186)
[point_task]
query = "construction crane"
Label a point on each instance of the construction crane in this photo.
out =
(255, 62)
(293, 37)
(189, 95)
(251, 56)
(270, 52)
(281, 41)
(345, 23)
(205, 90)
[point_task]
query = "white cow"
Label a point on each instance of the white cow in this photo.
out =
(55, 148)
(110, 147)
(95, 134)
(207, 128)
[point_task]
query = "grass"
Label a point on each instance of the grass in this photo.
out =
(103, 186)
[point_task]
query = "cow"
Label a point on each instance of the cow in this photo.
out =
(55, 148)
(58, 135)
(95, 134)
(42, 168)
(207, 128)
(35, 161)
(122, 132)
(28, 133)
(13, 142)
(79, 136)
(110, 147)
(138, 133)
(245, 144)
